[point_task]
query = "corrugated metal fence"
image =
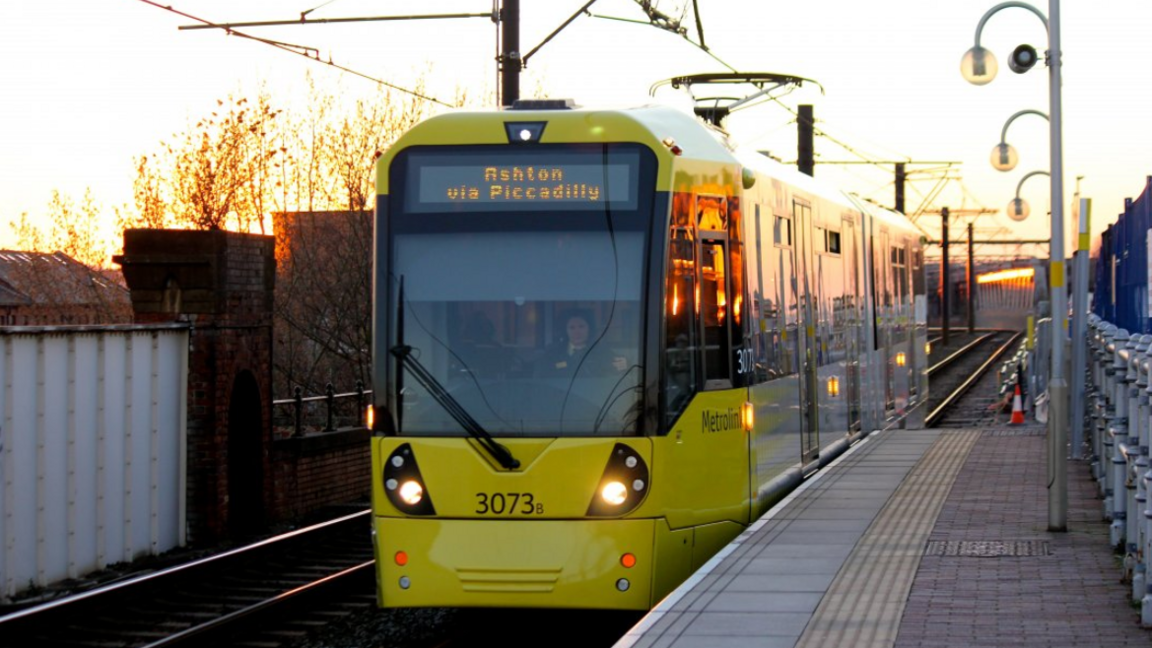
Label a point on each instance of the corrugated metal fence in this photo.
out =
(1121, 290)
(92, 428)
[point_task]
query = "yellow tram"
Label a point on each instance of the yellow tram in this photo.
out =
(605, 342)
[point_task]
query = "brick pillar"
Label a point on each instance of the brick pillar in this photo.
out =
(221, 283)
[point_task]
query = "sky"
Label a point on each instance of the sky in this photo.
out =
(87, 85)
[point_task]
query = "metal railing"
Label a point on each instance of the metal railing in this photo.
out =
(324, 413)
(1118, 416)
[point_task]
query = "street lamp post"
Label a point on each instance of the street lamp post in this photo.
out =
(979, 67)
(1018, 207)
(1003, 154)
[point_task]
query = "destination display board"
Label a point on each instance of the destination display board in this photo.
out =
(452, 179)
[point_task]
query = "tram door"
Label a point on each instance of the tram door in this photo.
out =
(855, 327)
(715, 291)
(809, 430)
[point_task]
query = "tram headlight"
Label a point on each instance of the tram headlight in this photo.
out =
(411, 492)
(615, 493)
(403, 484)
(524, 132)
(623, 485)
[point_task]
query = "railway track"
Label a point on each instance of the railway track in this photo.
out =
(269, 593)
(963, 391)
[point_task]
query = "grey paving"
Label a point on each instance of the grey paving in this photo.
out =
(843, 562)
(770, 586)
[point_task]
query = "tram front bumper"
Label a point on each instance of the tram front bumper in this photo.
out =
(514, 563)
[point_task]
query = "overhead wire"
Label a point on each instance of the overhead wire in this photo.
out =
(663, 21)
(303, 14)
(300, 50)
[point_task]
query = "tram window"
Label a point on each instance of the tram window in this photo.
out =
(763, 306)
(682, 337)
(821, 240)
(782, 231)
(833, 242)
(899, 272)
(711, 213)
(482, 327)
(715, 309)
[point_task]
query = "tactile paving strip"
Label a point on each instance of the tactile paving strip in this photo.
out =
(1024, 431)
(987, 548)
(865, 603)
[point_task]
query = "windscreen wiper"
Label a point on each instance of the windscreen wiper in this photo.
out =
(403, 354)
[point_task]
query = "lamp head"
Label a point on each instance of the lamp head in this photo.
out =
(1004, 157)
(1018, 209)
(978, 66)
(1023, 58)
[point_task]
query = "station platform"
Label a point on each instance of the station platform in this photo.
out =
(913, 538)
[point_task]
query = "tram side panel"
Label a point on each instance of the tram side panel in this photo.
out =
(807, 333)
(898, 331)
(776, 329)
(834, 324)
(702, 460)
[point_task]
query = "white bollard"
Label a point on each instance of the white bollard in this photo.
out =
(1107, 376)
(1131, 448)
(1114, 491)
(1099, 397)
(1138, 514)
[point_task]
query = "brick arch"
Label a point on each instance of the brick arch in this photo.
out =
(246, 452)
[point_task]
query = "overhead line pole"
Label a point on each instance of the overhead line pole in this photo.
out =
(901, 170)
(510, 63)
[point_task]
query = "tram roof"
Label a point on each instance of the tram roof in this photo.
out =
(655, 125)
(652, 124)
(775, 169)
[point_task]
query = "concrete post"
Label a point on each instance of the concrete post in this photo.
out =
(1141, 468)
(1096, 403)
(1117, 427)
(1131, 449)
(1108, 344)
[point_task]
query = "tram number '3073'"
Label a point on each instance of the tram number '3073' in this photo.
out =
(744, 361)
(508, 504)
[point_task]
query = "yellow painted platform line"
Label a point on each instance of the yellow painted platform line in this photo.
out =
(863, 606)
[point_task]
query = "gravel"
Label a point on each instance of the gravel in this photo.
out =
(397, 628)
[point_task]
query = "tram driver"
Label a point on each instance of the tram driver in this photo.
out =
(578, 350)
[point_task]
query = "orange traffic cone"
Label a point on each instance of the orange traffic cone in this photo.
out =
(1017, 409)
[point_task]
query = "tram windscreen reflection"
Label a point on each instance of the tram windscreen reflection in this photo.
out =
(533, 333)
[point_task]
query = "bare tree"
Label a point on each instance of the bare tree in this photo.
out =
(324, 262)
(149, 195)
(79, 231)
(215, 175)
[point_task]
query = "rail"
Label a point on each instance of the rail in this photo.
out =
(221, 593)
(937, 414)
(959, 353)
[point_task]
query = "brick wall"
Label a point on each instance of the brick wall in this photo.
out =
(222, 283)
(314, 471)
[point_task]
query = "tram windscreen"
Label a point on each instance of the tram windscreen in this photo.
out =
(530, 319)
